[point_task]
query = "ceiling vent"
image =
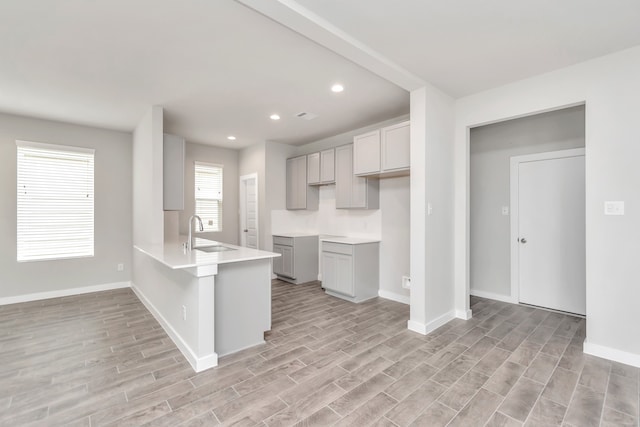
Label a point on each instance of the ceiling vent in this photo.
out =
(306, 115)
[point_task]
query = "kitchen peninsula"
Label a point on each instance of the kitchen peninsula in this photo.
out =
(212, 301)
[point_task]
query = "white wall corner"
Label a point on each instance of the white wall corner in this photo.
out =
(426, 328)
(393, 296)
(612, 354)
(198, 364)
(64, 293)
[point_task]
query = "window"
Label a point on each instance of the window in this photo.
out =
(55, 201)
(208, 193)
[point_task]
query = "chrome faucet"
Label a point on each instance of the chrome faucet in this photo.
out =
(190, 241)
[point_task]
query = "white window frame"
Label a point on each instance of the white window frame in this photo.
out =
(207, 219)
(55, 202)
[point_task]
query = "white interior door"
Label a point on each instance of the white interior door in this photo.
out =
(551, 232)
(249, 211)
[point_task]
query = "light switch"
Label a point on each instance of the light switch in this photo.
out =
(429, 209)
(614, 208)
(505, 210)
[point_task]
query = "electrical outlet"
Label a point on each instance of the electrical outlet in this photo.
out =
(184, 312)
(120, 267)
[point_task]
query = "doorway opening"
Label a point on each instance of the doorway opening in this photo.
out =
(494, 244)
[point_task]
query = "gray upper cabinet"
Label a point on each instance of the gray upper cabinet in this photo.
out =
(383, 152)
(299, 194)
(366, 151)
(173, 173)
(313, 169)
(328, 166)
(353, 192)
(394, 152)
(321, 167)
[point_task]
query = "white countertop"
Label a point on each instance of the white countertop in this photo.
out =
(295, 234)
(348, 240)
(174, 256)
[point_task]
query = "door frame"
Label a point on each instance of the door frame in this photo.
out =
(243, 210)
(515, 162)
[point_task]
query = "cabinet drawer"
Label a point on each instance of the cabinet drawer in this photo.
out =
(337, 248)
(279, 240)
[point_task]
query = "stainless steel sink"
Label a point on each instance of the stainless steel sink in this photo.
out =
(214, 248)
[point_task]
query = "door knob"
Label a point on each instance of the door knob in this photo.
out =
(246, 231)
(523, 240)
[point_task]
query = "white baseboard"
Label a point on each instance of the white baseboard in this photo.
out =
(424, 329)
(404, 299)
(198, 364)
(493, 296)
(464, 314)
(64, 293)
(598, 350)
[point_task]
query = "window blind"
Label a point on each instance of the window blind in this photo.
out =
(208, 195)
(55, 199)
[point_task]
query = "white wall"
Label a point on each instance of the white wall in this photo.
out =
(432, 296)
(611, 88)
(148, 214)
(112, 209)
(491, 148)
(394, 226)
(230, 219)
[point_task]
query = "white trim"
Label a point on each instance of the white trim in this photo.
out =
(464, 314)
(64, 293)
(404, 299)
(54, 147)
(514, 178)
(243, 210)
(198, 364)
(493, 296)
(426, 328)
(609, 353)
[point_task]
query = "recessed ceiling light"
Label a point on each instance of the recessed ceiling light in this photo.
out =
(231, 138)
(274, 117)
(337, 88)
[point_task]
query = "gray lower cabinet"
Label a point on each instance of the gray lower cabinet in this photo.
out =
(350, 271)
(298, 260)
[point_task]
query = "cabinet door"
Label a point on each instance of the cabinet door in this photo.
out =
(328, 166)
(366, 153)
(329, 270)
(313, 168)
(395, 147)
(344, 274)
(277, 262)
(344, 176)
(287, 262)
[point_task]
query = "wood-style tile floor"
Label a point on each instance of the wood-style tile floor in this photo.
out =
(101, 359)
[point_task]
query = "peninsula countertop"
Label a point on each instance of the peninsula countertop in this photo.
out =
(348, 240)
(173, 254)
